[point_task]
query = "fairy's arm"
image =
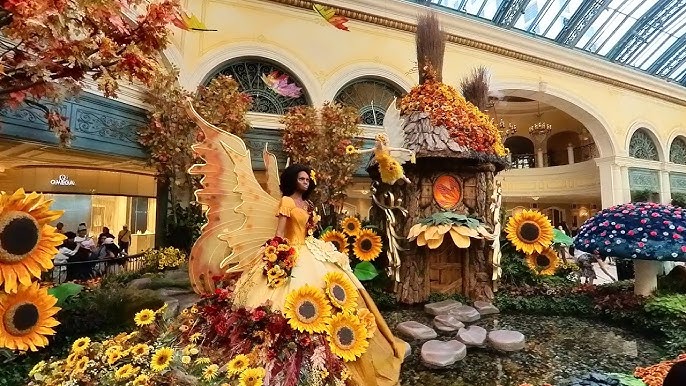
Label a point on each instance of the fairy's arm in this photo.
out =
(363, 151)
(281, 227)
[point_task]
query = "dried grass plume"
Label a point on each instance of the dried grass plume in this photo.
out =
(475, 87)
(430, 48)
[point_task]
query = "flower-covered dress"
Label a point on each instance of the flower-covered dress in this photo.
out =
(380, 363)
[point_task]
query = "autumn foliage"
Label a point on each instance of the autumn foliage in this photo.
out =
(50, 47)
(318, 138)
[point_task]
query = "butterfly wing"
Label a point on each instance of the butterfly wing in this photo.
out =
(241, 215)
(271, 165)
(329, 14)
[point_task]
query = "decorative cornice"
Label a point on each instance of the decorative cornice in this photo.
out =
(488, 47)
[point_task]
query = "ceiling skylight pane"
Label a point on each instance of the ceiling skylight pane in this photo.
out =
(490, 9)
(480, 7)
(652, 51)
(634, 10)
(548, 16)
(562, 18)
(593, 29)
(679, 72)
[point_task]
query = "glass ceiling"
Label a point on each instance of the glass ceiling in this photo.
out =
(648, 35)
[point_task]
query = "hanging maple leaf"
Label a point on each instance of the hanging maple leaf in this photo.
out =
(329, 14)
(189, 22)
(279, 84)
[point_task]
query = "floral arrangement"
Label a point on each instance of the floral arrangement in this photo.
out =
(466, 124)
(431, 231)
(647, 231)
(26, 309)
(363, 244)
(169, 257)
(279, 259)
(318, 137)
(532, 234)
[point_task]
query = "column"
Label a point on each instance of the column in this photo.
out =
(539, 158)
(665, 188)
(570, 154)
(161, 213)
(626, 186)
(611, 182)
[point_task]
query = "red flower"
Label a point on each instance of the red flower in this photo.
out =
(258, 314)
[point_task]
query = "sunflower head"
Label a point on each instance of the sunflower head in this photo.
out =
(307, 310)
(140, 350)
(27, 242)
(351, 226)
(529, 231)
(80, 365)
(367, 245)
(347, 336)
(210, 372)
(80, 345)
(340, 290)
(238, 364)
(338, 239)
(141, 380)
(544, 263)
(27, 317)
(144, 317)
(350, 149)
(252, 377)
(162, 359)
(125, 372)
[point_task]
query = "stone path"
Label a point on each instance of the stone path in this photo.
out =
(450, 320)
(177, 296)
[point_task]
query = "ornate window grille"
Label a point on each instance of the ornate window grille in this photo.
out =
(642, 146)
(248, 73)
(677, 151)
(371, 97)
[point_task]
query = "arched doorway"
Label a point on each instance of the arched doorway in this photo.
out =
(557, 144)
(521, 151)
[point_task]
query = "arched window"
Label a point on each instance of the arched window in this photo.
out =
(370, 96)
(677, 152)
(248, 73)
(642, 146)
(521, 151)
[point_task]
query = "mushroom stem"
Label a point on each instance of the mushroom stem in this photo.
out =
(646, 276)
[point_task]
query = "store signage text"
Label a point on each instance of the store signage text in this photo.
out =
(63, 180)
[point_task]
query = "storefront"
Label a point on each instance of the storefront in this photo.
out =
(95, 197)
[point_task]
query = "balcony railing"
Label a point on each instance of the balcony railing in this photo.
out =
(555, 158)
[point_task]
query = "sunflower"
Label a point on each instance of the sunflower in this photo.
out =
(27, 242)
(252, 377)
(350, 149)
(341, 291)
(368, 319)
(161, 359)
(203, 361)
(307, 309)
(210, 372)
(529, 231)
(81, 365)
(141, 380)
(347, 336)
(338, 239)
(544, 263)
(351, 226)
(27, 316)
(144, 317)
(125, 372)
(80, 345)
(195, 337)
(368, 245)
(113, 357)
(238, 364)
(140, 350)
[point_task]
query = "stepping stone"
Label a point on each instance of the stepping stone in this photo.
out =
(140, 283)
(168, 292)
(442, 307)
(507, 340)
(442, 354)
(486, 308)
(447, 323)
(416, 330)
(465, 314)
(473, 336)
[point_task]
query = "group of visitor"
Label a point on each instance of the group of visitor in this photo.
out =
(80, 247)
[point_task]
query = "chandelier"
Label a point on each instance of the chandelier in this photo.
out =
(506, 131)
(540, 130)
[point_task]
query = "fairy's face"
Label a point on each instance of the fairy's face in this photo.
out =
(303, 181)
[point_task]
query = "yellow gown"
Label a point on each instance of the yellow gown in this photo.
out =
(380, 364)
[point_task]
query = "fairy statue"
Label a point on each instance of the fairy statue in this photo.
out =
(264, 239)
(388, 151)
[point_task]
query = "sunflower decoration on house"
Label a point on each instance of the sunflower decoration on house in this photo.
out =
(361, 244)
(431, 231)
(27, 246)
(531, 234)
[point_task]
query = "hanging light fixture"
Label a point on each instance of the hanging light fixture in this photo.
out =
(540, 130)
(506, 131)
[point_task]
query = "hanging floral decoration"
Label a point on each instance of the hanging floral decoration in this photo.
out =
(431, 231)
(279, 258)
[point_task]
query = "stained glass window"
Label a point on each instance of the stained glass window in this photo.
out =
(642, 146)
(371, 97)
(677, 152)
(248, 73)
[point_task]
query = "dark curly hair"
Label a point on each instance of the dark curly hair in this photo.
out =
(676, 375)
(289, 180)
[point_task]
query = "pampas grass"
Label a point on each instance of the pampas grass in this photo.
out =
(475, 86)
(430, 48)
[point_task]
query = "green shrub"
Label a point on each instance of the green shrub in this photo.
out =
(668, 306)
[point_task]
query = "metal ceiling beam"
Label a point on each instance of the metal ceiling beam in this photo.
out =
(670, 59)
(580, 21)
(637, 37)
(509, 11)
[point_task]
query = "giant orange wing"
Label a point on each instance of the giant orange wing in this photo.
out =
(241, 215)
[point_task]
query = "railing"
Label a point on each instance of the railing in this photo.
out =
(523, 161)
(89, 269)
(554, 158)
(585, 152)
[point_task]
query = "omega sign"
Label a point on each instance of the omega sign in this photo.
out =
(63, 180)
